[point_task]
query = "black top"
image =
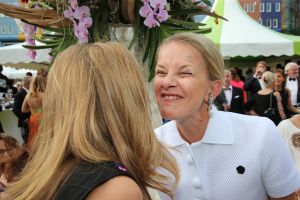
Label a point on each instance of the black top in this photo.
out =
(285, 96)
(3, 83)
(17, 108)
(260, 103)
(87, 176)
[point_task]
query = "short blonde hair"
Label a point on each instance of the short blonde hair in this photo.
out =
(268, 79)
(212, 56)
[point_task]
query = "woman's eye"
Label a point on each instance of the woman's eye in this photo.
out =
(185, 73)
(160, 72)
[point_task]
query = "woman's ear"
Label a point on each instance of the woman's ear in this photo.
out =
(216, 88)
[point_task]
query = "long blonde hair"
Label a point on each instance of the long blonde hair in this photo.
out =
(38, 84)
(96, 108)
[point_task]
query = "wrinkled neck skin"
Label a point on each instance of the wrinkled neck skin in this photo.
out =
(192, 129)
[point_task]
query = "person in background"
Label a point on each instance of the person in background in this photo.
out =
(17, 108)
(19, 85)
(13, 90)
(249, 73)
(237, 82)
(254, 83)
(220, 101)
(1, 128)
(3, 83)
(8, 145)
(239, 72)
(234, 95)
(220, 154)
(12, 161)
(42, 72)
(28, 74)
(279, 66)
(285, 93)
(267, 98)
(33, 104)
(290, 132)
(96, 139)
(291, 70)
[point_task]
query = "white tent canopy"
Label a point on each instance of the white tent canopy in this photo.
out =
(243, 36)
(14, 73)
(16, 56)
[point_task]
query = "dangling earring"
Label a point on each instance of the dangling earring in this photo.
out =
(210, 103)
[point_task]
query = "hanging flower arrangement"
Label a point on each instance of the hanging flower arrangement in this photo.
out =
(66, 22)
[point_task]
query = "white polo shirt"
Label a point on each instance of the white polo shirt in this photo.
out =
(239, 157)
(289, 133)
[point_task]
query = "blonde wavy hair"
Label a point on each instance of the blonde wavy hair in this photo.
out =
(96, 109)
(38, 84)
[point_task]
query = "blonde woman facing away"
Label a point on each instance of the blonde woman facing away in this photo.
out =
(96, 140)
(33, 103)
(221, 155)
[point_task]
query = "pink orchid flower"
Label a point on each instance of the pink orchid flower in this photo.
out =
(73, 3)
(31, 53)
(146, 10)
(151, 22)
(162, 16)
(158, 4)
(82, 12)
(86, 22)
(69, 13)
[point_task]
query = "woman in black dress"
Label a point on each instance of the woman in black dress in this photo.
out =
(266, 98)
(285, 93)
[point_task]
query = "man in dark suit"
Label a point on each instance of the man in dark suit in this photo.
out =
(291, 70)
(17, 109)
(254, 83)
(234, 96)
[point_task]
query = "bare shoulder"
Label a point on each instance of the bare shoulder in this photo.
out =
(277, 94)
(125, 187)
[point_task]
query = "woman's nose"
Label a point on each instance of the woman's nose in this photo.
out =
(169, 81)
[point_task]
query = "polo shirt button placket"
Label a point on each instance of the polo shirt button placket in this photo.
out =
(196, 183)
(189, 159)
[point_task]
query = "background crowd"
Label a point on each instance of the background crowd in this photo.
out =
(90, 134)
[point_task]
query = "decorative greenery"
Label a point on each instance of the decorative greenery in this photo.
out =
(153, 21)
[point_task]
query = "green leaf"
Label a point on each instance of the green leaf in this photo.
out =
(40, 47)
(47, 41)
(148, 44)
(60, 30)
(184, 23)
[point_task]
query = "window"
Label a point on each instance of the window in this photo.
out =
(269, 7)
(269, 23)
(252, 7)
(246, 7)
(275, 23)
(262, 7)
(277, 7)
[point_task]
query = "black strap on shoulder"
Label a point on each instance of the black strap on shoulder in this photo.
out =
(87, 176)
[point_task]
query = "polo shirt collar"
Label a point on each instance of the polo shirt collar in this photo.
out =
(219, 131)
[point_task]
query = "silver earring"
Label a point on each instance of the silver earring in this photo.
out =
(210, 102)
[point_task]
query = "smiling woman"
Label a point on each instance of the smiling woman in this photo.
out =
(219, 153)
